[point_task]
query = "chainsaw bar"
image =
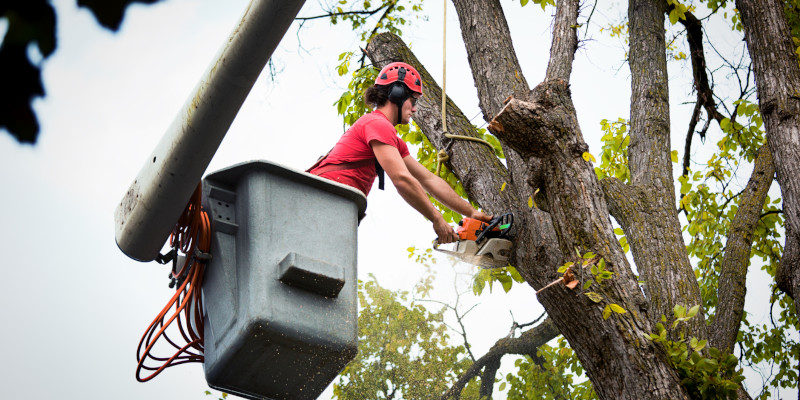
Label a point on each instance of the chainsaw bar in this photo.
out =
(492, 254)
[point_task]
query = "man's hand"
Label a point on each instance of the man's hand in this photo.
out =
(480, 216)
(444, 231)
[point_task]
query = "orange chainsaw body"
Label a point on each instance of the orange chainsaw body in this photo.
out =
(470, 228)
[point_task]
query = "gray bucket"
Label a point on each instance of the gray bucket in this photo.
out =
(280, 304)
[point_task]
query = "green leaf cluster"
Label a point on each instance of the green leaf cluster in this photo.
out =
(710, 202)
(222, 395)
(614, 154)
(555, 373)
(506, 276)
(359, 13)
(351, 105)
(760, 343)
(678, 12)
(403, 350)
(705, 375)
(542, 3)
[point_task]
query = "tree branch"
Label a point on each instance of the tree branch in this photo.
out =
(652, 225)
(565, 41)
(341, 14)
(777, 78)
(694, 36)
(526, 344)
(731, 292)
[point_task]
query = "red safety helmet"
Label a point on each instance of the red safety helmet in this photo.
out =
(400, 72)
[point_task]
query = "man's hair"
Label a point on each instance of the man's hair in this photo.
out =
(377, 95)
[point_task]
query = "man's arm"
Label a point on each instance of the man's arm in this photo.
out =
(440, 190)
(411, 190)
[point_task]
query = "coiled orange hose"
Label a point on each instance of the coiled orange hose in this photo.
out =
(192, 237)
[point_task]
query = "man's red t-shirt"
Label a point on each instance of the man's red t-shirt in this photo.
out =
(354, 146)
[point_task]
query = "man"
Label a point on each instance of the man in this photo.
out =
(372, 146)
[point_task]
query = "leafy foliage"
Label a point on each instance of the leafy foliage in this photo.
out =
(710, 203)
(403, 350)
(33, 22)
(715, 376)
(554, 374)
(222, 395)
(391, 13)
(614, 154)
(542, 3)
(506, 276)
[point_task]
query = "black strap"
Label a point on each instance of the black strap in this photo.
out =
(379, 171)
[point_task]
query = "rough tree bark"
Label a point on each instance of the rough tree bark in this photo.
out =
(778, 85)
(730, 304)
(540, 133)
(646, 208)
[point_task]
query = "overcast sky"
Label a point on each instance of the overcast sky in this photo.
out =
(74, 307)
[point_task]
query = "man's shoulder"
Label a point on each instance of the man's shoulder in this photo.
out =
(377, 122)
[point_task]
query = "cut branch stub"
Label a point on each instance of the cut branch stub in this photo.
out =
(535, 126)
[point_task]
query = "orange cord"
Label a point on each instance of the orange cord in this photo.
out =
(192, 234)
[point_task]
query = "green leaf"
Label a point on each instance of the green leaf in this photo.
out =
(607, 312)
(588, 157)
(693, 311)
(506, 281)
(679, 311)
(564, 267)
(617, 308)
(725, 124)
(515, 274)
(594, 296)
(674, 156)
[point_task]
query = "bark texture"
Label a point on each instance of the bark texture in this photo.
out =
(778, 83)
(652, 220)
(730, 304)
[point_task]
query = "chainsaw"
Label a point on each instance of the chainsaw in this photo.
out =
(480, 243)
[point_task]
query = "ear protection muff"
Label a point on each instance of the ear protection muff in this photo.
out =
(398, 92)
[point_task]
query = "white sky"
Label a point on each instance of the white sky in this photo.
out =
(74, 307)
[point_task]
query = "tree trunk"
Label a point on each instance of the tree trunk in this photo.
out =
(778, 84)
(646, 209)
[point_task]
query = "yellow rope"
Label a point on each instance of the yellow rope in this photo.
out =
(442, 156)
(444, 70)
